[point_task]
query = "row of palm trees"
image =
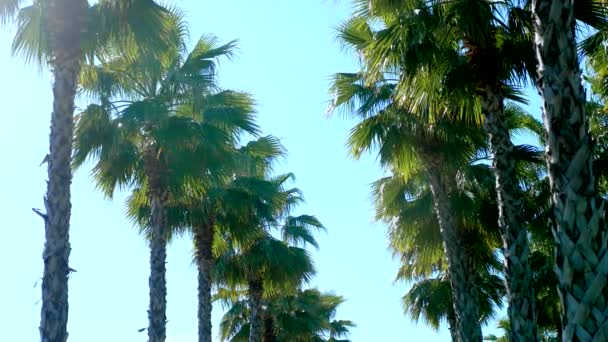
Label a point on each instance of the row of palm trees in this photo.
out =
(158, 124)
(436, 97)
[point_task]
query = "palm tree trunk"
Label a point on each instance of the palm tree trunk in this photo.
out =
(460, 271)
(157, 313)
(579, 228)
(158, 196)
(518, 276)
(256, 321)
(203, 240)
(63, 20)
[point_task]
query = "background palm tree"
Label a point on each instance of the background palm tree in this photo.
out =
(60, 33)
(304, 315)
(159, 124)
(211, 208)
(224, 206)
(263, 264)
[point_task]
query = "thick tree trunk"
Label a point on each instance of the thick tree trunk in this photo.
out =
(459, 268)
(65, 67)
(579, 228)
(256, 322)
(518, 276)
(203, 240)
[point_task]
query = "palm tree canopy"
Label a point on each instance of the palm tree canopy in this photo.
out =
(304, 315)
(133, 27)
(189, 122)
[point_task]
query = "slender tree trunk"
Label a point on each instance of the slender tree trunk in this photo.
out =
(460, 270)
(579, 228)
(203, 240)
(64, 39)
(518, 276)
(256, 321)
(157, 312)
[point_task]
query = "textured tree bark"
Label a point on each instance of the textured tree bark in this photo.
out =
(518, 276)
(65, 19)
(157, 195)
(460, 269)
(54, 313)
(157, 313)
(579, 228)
(256, 321)
(203, 240)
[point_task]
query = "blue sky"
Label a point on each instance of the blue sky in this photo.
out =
(287, 53)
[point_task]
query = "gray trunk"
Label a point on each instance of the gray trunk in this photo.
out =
(66, 67)
(157, 313)
(256, 321)
(460, 270)
(203, 240)
(54, 313)
(579, 228)
(65, 23)
(518, 276)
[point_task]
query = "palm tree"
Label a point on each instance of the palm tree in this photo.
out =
(222, 207)
(414, 236)
(411, 145)
(579, 226)
(264, 264)
(505, 326)
(158, 125)
(431, 300)
(60, 33)
(210, 209)
(466, 51)
(305, 315)
(405, 205)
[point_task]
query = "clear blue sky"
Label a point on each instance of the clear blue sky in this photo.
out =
(287, 53)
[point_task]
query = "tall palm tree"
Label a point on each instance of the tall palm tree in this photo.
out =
(579, 226)
(436, 148)
(305, 315)
(209, 208)
(159, 124)
(264, 264)
(223, 206)
(59, 34)
(465, 50)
